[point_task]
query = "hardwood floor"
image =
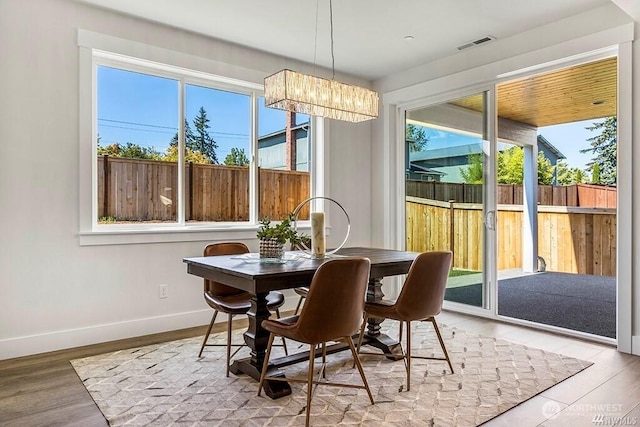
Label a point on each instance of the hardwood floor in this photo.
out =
(44, 390)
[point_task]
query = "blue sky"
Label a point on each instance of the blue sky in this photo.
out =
(143, 110)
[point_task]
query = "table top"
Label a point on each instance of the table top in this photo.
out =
(258, 277)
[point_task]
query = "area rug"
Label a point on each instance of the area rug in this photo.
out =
(167, 384)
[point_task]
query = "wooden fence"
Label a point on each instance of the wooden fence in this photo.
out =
(572, 240)
(582, 195)
(146, 190)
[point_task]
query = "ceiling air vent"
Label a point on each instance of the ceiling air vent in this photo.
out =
(473, 43)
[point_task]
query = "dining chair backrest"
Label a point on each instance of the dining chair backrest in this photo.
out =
(422, 294)
(335, 302)
(225, 248)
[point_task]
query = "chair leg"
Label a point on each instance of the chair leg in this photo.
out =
(312, 355)
(408, 355)
(324, 360)
(360, 338)
(400, 331)
(206, 336)
(298, 306)
(444, 349)
(356, 360)
(265, 365)
(229, 328)
(284, 342)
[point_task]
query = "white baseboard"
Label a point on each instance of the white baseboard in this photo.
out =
(59, 340)
(70, 338)
(635, 345)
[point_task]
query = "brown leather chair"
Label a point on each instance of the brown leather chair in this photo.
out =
(420, 299)
(226, 299)
(333, 311)
(302, 291)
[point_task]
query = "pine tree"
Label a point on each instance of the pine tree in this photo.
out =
(199, 141)
(604, 148)
(203, 141)
(237, 157)
(416, 137)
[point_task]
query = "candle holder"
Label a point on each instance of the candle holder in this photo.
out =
(303, 246)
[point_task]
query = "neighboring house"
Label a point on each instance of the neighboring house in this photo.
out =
(551, 153)
(441, 162)
(433, 165)
(272, 148)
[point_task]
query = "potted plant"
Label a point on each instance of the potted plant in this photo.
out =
(273, 237)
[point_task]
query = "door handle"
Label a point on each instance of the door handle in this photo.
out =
(490, 220)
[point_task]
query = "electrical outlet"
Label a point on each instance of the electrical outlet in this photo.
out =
(163, 291)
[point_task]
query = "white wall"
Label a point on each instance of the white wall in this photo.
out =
(55, 293)
(597, 29)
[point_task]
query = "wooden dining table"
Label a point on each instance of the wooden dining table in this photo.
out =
(297, 269)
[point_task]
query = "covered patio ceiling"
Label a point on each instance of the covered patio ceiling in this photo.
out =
(583, 92)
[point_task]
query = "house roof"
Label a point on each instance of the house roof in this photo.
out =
(549, 148)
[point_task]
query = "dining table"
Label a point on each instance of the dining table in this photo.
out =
(258, 277)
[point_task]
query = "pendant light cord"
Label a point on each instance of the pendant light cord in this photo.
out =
(333, 61)
(315, 40)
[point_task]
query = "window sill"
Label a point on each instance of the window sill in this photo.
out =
(120, 236)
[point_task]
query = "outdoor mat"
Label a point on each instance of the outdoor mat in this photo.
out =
(167, 384)
(580, 302)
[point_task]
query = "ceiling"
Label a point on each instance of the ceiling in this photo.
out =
(369, 35)
(369, 42)
(583, 92)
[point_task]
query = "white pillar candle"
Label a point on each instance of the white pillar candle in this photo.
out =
(317, 235)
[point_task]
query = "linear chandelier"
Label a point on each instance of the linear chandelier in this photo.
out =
(303, 93)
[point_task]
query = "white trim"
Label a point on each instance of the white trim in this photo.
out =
(580, 50)
(58, 340)
(624, 220)
(100, 49)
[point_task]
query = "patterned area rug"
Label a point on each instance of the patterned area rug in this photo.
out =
(167, 384)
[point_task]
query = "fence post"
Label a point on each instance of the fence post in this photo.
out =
(452, 230)
(107, 178)
(190, 191)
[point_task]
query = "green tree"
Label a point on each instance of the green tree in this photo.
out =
(416, 137)
(132, 151)
(199, 140)
(510, 165)
(595, 173)
(203, 142)
(191, 156)
(567, 175)
(473, 173)
(545, 170)
(188, 135)
(604, 148)
(237, 157)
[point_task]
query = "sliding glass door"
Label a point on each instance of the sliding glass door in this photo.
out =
(450, 191)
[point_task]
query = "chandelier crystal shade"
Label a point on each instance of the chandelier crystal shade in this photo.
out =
(303, 93)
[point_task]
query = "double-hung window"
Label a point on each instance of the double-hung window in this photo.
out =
(180, 150)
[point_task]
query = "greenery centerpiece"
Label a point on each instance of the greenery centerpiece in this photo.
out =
(274, 237)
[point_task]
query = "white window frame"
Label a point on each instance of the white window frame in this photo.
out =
(101, 50)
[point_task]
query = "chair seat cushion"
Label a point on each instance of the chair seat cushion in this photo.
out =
(383, 308)
(241, 303)
(285, 327)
